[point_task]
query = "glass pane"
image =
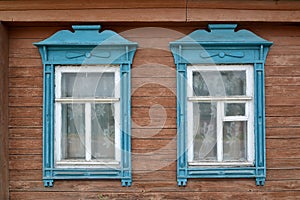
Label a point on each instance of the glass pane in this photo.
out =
(235, 141)
(235, 109)
(103, 131)
(73, 131)
(88, 84)
(219, 83)
(205, 131)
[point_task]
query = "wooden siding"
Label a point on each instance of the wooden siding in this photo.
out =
(149, 11)
(4, 190)
(154, 121)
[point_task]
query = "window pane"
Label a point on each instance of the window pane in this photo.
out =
(73, 131)
(219, 83)
(88, 84)
(234, 109)
(235, 141)
(205, 131)
(103, 131)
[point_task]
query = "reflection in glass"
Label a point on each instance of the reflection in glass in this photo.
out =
(234, 109)
(205, 131)
(235, 141)
(103, 131)
(88, 84)
(219, 83)
(73, 131)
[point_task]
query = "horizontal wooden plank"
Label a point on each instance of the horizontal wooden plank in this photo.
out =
(281, 100)
(282, 71)
(288, 49)
(278, 81)
(25, 101)
(289, 143)
(149, 15)
(283, 111)
(25, 133)
(25, 62)
(17, 72)
(232, 185)
(283, 41)
(160, 133)
(153, 52)
(282, 121)
(242, 15)
(22, 143)
(25, 175)
(25, 92)
(28, 82)
(283, 163)
(25, 151)
(24, 44)
(153, 70)
(269, 30)
(75, 4)
(96, 15)
(25, 162)
(283, 90)
(33, 32)
(282, 153)
(247, 5)
(153, 112)
(153, 92)
(25, 122)
(24, 52)
(283, 132)
(164, 61)
(162, 195)
(153, 123)
(153, 83)
(154, 165)
(283, 60)
(292, 174)
(25, 112)
(157, 186)
(154, 144)
(166, 102)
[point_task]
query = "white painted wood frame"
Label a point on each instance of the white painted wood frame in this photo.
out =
(248, 99)
(88, 162)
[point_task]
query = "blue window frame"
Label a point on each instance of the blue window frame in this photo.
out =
(236, 59)
(86, 53)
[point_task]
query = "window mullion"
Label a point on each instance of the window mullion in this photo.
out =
(220, 114)
(88, 132)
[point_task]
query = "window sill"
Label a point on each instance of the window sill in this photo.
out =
(221, 164)
(88, 164)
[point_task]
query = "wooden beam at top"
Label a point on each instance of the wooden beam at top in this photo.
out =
(151, 15)
(228, 15)
(4, 186)
(96, 15)
(84, 5)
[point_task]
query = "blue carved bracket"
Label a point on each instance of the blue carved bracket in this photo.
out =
(86, 46)
(221, 45)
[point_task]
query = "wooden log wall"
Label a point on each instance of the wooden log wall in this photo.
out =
(154, 119)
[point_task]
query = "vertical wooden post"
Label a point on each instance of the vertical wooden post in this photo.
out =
(4, 192)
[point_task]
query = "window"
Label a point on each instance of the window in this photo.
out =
(87, 116)
(86, 105)
(220, 104)
(220, 112)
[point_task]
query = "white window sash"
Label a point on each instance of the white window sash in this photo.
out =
(88, 162)
(249, 114)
